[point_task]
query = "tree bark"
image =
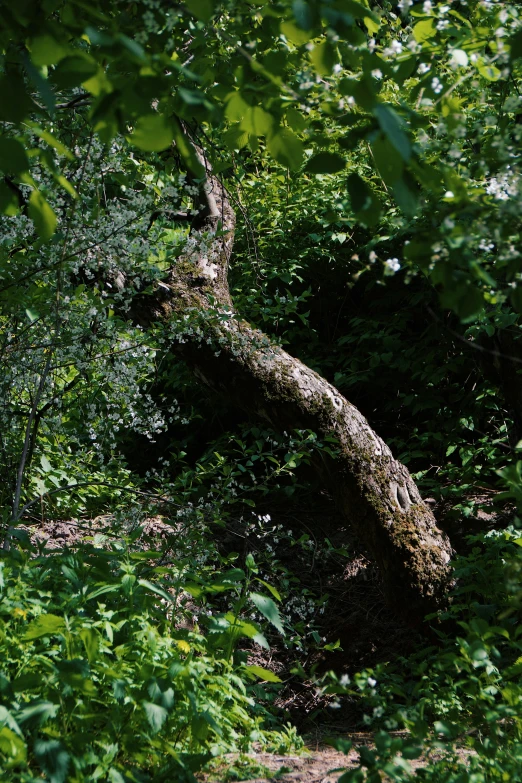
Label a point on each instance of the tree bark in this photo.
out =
(375, 492)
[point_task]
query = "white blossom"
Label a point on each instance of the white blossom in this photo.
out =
(393, 264)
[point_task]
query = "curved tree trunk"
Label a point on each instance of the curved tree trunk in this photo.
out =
(375, 491)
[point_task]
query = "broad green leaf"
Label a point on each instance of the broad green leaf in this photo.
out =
(358, 10)
(12, 746)
(406, 195)
(263, 674)
(193, 589)
(91, 641)
(101, 591)
(44, 462)
(156, 715)
(202, 9)
(46, 50)
(66, 185)
(15, 103)
(133, 47)
(286, 148)
(194, 97)
(42, 85)
(392, 128)
(323, 58)
(153, 133)
(295, 119)
(325, 163)
(38, 711)
(515, 297)
(271, 588)
(363, 90)
(6, 719)
(268, 609)
(257, 121)
(490, 72)
(389, 164)
(157, 590)
(53, 759)
(51, 140)
(73, 71)
(9, 204)
(364, 203)
(515, 44)
(295, 34)
(424, 30)
(44, 625)
(13, 158)
(42, 215)
(371, 25)
(236, 107)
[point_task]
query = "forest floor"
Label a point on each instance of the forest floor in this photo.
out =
(357, 620)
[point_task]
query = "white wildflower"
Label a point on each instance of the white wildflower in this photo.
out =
(393, 264)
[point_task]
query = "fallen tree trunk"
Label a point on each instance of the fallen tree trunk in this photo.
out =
(374, 490)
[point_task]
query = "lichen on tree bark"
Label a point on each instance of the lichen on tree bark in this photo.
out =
(375, 492)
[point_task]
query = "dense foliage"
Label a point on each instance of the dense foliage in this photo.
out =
(372, 156)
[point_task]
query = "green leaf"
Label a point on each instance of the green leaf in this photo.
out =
(325, 163)
(424, 30)
(46, 50)
(364, 203)
(156, 715)
(12, 746)
(295, 119)
(102, 590)
(44, 625)
(91, 642)
(15, 103)
(42, 215)
(6, 719)
(392, 128)
(294, 33)
(13, 158)
(406, 195)
(388, 163)
(202, 9)
(153, 133)
(46, 465)
(272, 589)
(515, 297)
(235, 138)
(42, 85)
(372, 25)
(358, 10)
(257, 121)
(8, 200)
(37, 712)
(323, 58)
(515, 44)
(157, 590)
(236, 107)
(73, 71)
(263, 674)
(66, 185)
(490, 72)
(285, 147)
(268, 609)
(53, 759)
(51, 140)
